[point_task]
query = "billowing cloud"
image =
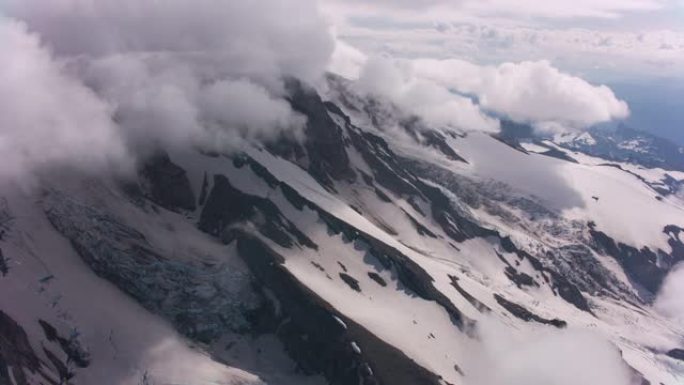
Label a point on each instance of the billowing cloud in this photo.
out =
(529, 92)
(670, 300)
(431, 100)
(48, 118)
(346, 60)
(247, 107)
(126, 74)
(534, 92)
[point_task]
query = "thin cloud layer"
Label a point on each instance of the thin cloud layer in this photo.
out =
(550, 9)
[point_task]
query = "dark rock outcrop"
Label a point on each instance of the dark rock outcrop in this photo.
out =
(677, 354)
(377, 278)
(325, 144)
(641, 266)
(344, 352)
(437, 140)
(558, 154)
(226, 206)
(350, 281)
(520, 279)
(166, 183)
(17, 355)
(71, 347)
(383, 162)
(4, 267)
(526, 315)
(481, 307)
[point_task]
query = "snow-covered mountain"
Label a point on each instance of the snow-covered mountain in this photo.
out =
(624, 144)
(375, 250)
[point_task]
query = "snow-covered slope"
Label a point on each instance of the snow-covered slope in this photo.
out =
(377, 251)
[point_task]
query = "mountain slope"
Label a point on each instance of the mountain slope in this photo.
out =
(376, 251)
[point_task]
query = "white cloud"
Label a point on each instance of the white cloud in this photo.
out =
(545, 356)
(253, 37)
(205, 72)
(620, 39)
(346, 60)
(247, 107)
(530, 92)
(533, 92)
(670, 300)
(430, 100)
(48, 118)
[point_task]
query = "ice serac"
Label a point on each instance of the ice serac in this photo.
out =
(203, 301)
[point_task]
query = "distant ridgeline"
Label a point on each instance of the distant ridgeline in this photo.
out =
(621, 144)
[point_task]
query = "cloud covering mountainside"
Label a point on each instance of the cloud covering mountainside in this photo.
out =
(119, 76)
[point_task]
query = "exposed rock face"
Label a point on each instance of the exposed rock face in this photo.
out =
(325, 144)
(166, 183)
(677, 354)
(558, 154)
(4, 267)
(344, 352)
(228, 206)
(526, 315)
(203, 301)
(17, 356)
(385, 166)
(70, 346)
(409, 273)
(437, 140)
(640, 265)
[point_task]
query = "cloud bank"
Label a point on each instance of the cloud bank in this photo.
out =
(46, 116)
(95, 81)
(533, 92)
(459, 93)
